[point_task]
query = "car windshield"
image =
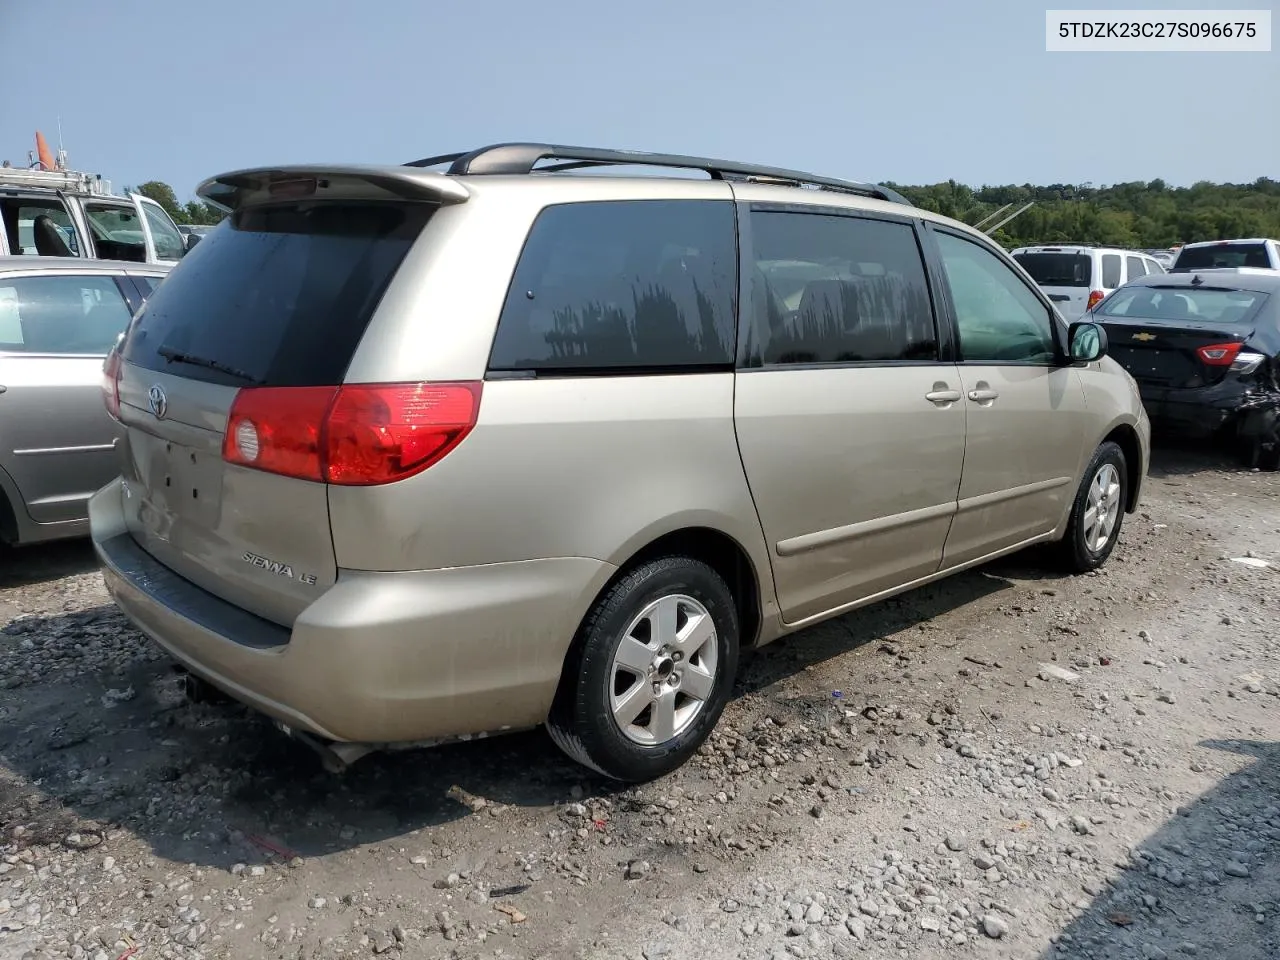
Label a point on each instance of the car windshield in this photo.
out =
(1223, 255)
(1056, 269)
(1212, 304)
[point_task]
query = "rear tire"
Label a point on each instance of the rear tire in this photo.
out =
(650, 671)
(1098, 511)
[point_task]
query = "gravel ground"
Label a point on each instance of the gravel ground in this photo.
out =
(1009, 764)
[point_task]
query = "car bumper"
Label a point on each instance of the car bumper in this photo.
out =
(380, 658)
(1194, 413)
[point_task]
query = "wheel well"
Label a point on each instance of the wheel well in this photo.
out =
(725, 556)
(1126, 438)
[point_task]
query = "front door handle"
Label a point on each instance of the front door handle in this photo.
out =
(3, 388)
(942, 396)
(983, 395)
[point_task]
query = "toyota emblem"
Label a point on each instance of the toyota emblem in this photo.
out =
(157, 401)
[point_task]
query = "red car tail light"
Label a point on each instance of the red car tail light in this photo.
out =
(354, 435)
(1095, 297)
(1219, 354)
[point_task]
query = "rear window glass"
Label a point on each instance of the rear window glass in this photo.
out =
(1057, 269)
(79, 315)
(1227, 255)
(617, 285)
(1110, 270)
(1183, 303)
(280, 295)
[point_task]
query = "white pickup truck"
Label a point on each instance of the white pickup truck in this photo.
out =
(63, 213)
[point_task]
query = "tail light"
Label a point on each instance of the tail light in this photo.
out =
(1219, 354)
(111, 383)
(1247, 361)
(1095, 298)
(353, 435)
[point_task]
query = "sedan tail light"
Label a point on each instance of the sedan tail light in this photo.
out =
(1247, 361)
(1219, 354)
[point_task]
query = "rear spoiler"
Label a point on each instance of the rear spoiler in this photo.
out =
(243, 188)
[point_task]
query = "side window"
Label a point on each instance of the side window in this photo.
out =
(837, 289)
(117, 234)
(1110, 270)
(64, 314)
(1153, 266)
(45, 230)
(1134, 267)
(164, 234)
(618, 285)
(1000, 320)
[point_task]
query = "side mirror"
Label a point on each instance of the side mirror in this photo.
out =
(191, 240)
(1088, 342)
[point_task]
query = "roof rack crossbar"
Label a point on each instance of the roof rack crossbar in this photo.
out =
(523, 158)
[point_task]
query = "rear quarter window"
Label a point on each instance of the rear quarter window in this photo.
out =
(281, 294)
(1110, 270)
(617, 286)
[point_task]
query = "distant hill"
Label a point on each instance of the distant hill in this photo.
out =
(1126, 214)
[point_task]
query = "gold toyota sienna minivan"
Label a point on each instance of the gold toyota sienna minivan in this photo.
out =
(412, 454)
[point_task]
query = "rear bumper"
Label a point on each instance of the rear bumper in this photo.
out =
(380, 657)
(1194, 413)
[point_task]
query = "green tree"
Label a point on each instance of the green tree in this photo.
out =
(163, 194)
(1138, 214)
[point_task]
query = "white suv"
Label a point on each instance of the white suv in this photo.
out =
(1228, 254)
(1077, 276)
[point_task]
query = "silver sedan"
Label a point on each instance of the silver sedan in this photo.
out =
(59, 318)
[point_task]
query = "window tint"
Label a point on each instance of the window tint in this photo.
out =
(282, 294)
(165, 236)
(56, 238)
(117, 233)
(1058, 269)
(614, 285)
(61, 314)
(1000, 320)
(833, 289)
(1223, 255)
(1110, 270)
(1134, 268)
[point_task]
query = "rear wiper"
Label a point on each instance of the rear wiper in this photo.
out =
(173, 355)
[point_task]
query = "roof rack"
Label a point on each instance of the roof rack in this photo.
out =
(523, 158)
(55, 180)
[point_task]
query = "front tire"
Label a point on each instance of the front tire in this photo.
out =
(1098, 511)
(650, 671)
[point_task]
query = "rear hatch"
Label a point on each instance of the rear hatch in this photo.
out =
(277, 298)
(1066, 277)
(1178, 337)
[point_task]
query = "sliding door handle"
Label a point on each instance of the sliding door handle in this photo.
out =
(942, 396)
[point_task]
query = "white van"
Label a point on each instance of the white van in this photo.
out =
(1077, 276)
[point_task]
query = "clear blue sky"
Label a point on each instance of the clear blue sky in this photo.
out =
(900, 90)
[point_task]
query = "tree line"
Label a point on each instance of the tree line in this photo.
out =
(1136, 215)
(1142, 215)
